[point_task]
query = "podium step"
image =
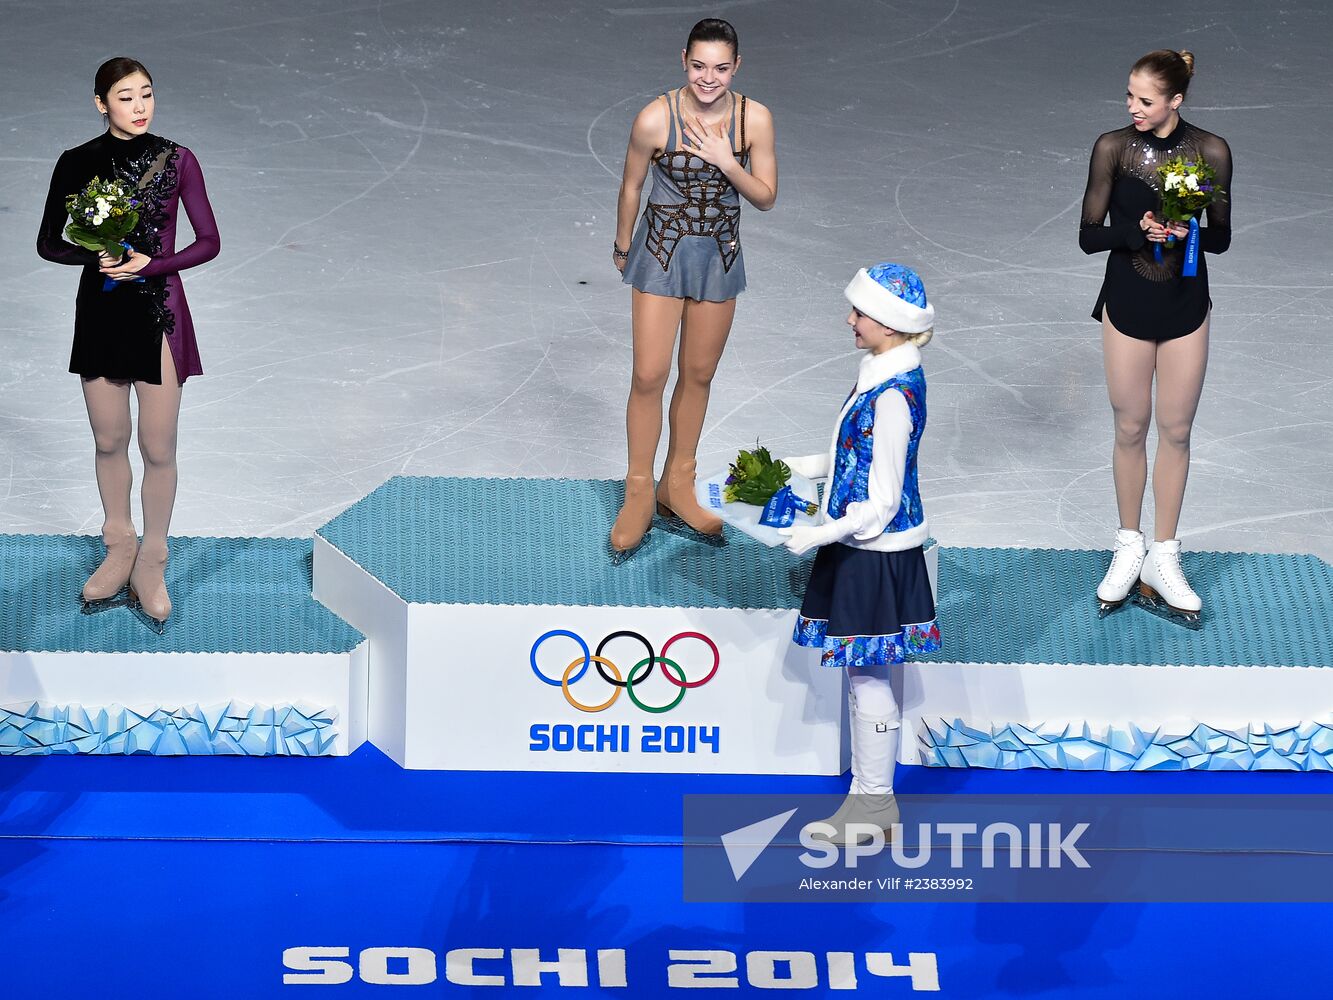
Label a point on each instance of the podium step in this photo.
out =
(249, 663)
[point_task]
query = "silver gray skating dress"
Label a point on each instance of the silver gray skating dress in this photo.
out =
(688, 242)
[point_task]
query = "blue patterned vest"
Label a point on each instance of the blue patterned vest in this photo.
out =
(851, 465)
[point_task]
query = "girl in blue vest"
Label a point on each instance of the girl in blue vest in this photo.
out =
(868, 604)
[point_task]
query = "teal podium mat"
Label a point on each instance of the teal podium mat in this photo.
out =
(1038, 606)
(245, 595)
(544, 542)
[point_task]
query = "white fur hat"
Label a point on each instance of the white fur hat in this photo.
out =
(893, 295)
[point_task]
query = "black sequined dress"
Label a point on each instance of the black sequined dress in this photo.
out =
(118, 333)
(1145, 299)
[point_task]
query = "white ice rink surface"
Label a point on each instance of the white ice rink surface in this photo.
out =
(417, 202)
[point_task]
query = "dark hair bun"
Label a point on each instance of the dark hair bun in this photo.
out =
(1173, 70)
(113, 71)
(714, 29)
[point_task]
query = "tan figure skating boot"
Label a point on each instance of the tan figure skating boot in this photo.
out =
(149, 599)
(106, 587)
(634, 519)
(678, 506)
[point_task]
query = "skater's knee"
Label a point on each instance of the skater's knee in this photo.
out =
(1131, 429)
(649, 380)
(1175, 433)
(698, 373)
(159, 452)
(111, 441)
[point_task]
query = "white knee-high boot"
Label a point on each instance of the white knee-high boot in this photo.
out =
(874, 753)
(874, 756)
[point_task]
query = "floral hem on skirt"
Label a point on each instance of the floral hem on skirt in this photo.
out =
(866, 650)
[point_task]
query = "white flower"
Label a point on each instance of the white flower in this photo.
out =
(98, 219)
(1192, 182)
(1173, 181)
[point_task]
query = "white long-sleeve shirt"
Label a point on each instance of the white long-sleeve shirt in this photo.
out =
(862, 524)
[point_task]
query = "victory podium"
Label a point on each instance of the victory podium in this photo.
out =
(249, 664)
(503, 638)
(479, 625)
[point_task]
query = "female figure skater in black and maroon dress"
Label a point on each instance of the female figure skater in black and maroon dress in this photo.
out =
(136, 335)
(1154, 321)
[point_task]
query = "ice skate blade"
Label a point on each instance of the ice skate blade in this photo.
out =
(622, 556)
(136, 609)
(1152, 602)
(671, 523)
(103, 603)
(1105, 608)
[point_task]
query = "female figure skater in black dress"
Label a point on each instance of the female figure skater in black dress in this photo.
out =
(1154, 322)
(138, 334)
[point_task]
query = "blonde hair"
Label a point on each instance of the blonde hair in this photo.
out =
(920, 339)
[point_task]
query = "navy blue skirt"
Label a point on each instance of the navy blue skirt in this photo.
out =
(865, 608)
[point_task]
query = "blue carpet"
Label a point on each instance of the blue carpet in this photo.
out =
(368, 797)
(138, 875)
(212, 921)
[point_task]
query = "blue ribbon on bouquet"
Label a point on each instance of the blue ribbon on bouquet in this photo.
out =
(782, 508)
(110, 283)
(1191, 267)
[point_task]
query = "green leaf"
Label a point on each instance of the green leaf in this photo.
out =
(756, 477)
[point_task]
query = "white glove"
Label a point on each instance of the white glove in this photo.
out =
(801, 538)
(809, 466)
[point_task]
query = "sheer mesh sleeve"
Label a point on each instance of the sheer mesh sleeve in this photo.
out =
(1093, 235)
(194, 196)
(51, 242)
(1216, 236)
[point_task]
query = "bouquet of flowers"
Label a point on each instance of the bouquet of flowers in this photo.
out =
(755, 477)
(1188, 187)
(102, 215)
(759, 479)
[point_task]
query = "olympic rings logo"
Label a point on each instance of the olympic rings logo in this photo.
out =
(624, 682)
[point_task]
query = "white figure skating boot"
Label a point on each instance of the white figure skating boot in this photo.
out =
(870, 800)
(1163, 589)
(1126, 562)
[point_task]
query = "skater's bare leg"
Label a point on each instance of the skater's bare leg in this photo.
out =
(1129, 367)
(108, 405)
(159, 413)
(655, 319)
(1181, 364)
(704, 329)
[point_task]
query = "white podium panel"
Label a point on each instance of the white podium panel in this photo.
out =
(500, 688)
(452, 686)
(328, 691)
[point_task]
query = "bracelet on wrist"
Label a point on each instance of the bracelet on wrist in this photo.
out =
(617, 253)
